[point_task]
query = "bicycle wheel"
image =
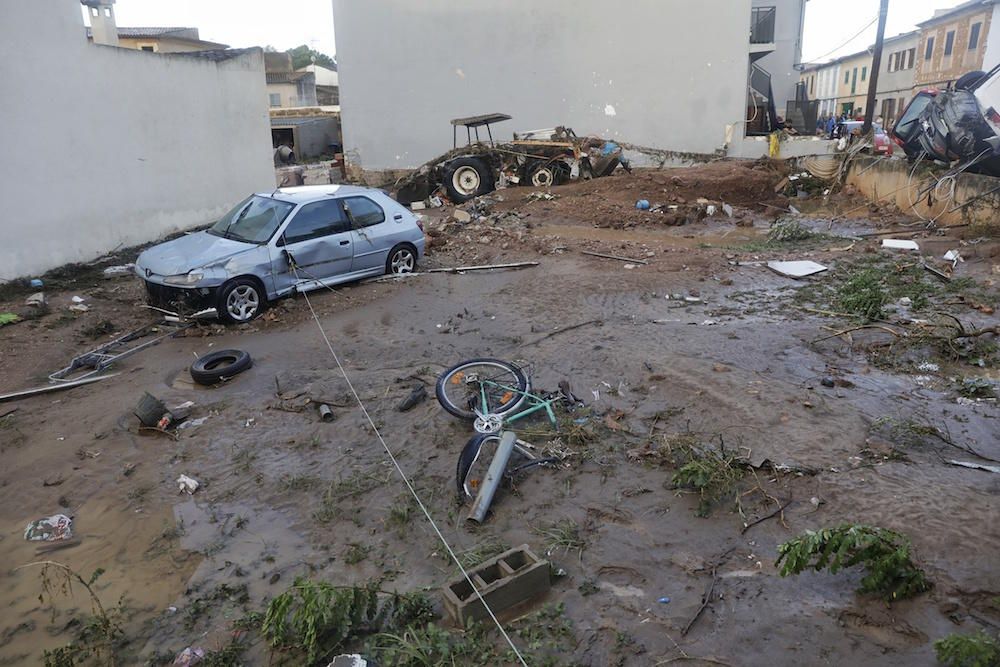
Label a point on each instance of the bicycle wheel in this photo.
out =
(459, 389)
(468, 486)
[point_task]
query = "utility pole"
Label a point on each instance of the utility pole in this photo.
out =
(883, 11)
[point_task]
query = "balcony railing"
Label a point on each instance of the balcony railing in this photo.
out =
(762, 25)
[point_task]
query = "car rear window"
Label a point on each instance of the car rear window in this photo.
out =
(909, 119)
(363, 211)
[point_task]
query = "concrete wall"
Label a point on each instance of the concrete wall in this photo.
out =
(888, 181)
(665, 75)
(108, 147)
(788, 52)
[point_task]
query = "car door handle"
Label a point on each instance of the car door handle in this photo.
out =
(345, 243)
(398, 217)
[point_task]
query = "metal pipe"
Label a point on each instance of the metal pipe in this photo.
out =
(493, 477)
(325, 413)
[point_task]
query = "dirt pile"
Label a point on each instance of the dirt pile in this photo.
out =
(675, 196)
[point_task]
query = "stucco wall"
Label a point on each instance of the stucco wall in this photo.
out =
(107, 147)
(991, 58)
(674, 73)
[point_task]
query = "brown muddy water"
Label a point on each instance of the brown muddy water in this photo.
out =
(284, 494)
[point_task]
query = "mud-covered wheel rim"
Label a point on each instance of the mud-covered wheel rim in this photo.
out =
(543, 177)
(402, 261)
(466, 180)
(242, 303)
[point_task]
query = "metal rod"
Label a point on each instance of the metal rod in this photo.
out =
(484, 267)
(52, 387)
(620, 259)
(493, 477)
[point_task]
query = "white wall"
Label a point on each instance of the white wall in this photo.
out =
(674, 72)
(107, 147)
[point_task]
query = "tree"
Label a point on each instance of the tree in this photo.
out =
(303, 55)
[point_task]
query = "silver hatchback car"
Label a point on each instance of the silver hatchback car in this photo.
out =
(273, 244)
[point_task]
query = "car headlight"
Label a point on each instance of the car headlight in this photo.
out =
(189, 278)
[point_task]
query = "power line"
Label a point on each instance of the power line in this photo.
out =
(855, 36)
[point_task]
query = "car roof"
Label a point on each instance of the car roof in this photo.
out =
(303, 194)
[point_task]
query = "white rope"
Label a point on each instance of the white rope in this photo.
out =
(399, 469)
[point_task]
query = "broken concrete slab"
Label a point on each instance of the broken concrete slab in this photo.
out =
(461, 216)
(796, 269)
(900, 244)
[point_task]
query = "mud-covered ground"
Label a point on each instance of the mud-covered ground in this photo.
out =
(701, 346)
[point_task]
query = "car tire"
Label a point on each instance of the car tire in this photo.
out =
(215, 367)
(467, 177)
(401, 259)
(969, 79)
(240, 300)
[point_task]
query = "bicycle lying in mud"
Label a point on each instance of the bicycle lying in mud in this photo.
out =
(494, 394)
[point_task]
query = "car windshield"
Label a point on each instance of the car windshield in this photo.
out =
(253, 220)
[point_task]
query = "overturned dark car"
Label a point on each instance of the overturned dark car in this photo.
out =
(539, 158)
(958, 124)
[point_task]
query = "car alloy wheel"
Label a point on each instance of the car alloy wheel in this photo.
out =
(402, 261)
(242, 303)
(466, 180)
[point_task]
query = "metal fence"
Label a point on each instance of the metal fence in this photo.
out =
(762, 25)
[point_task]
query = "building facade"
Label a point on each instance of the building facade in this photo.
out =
(146, 144)
(159, 40)
(952, 43)
(852, 83)
(287, 87)
(407, 68)
(897, 76)
(821, 83)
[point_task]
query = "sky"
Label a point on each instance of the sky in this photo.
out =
(831, 23)
(283, 24)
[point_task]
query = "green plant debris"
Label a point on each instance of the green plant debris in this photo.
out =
(481, 551)
(8, 318)
(313, 618)
(979, 650)
(786, 229)
(356, 553)
(977, 387)
(432, 645)
(863, 295)
(100, 637)
(884, 555)
(562, 535)
(356, 484)
(714, 475)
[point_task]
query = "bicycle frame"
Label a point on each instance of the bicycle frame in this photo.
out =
(539, 403)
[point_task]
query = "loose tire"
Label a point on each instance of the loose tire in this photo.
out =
(969, 79)
(240, 300)
(467, 177)
(451, 383)
(215, 367)
(401, 259)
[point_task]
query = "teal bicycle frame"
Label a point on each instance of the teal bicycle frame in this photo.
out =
(539, 403)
